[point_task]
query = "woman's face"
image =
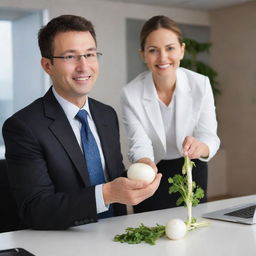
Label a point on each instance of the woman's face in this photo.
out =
(163, 52)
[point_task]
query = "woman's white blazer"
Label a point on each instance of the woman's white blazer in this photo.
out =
(194, 116)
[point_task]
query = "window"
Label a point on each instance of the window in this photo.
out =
(22, 79)
(6, 82)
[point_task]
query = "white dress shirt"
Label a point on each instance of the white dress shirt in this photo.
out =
(168, 116)
(71, 110)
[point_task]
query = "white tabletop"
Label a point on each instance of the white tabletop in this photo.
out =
(219, 238)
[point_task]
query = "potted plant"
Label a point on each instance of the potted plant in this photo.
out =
(191, 62)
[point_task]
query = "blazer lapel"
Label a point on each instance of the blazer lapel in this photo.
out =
(61, 128)
(183, 107)
(151, 105)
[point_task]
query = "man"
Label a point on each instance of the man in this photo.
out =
(53, 157)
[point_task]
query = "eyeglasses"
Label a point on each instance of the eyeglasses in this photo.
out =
(90, 57)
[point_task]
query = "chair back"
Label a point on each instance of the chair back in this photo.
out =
(9, 219)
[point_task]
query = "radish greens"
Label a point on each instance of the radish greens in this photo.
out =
(190, 193)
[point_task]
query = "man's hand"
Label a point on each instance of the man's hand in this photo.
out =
(194, 148)
(148, 161)
(130, 192)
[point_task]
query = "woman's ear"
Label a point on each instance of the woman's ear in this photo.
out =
(183, 47)
(142, 54)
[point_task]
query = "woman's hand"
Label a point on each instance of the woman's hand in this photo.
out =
(148, 161)
(194, 148)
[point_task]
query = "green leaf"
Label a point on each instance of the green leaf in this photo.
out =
(198, 194)
(170, 180)
(190, 61)
(141, 234)
(180, 201)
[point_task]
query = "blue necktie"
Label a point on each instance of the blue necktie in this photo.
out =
(91, 151)
(92, 157)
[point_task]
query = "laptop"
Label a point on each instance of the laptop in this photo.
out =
(243, 213)
(15, 252)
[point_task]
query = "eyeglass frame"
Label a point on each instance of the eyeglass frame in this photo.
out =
(76, 57)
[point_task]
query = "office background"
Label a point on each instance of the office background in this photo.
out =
(232, 30)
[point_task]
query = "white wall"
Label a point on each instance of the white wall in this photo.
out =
(233, 56)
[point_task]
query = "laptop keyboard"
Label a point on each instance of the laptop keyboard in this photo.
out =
(246, 213)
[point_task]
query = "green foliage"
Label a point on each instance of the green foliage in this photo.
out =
(190, 193)
(190, 62)
(180, 185)
(140, 234)
(194, 47)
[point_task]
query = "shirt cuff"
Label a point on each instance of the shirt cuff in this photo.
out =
(100, 204)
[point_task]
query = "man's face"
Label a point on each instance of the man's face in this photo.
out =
(73, 78)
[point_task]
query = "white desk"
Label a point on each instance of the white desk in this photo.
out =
(219, 238)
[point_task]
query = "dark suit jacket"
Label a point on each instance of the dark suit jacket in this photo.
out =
(47, 170)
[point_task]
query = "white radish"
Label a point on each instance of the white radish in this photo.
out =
(142, 172)
(175, 229)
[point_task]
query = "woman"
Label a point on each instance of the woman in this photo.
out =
(168, 112)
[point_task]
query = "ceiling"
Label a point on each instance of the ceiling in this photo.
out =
(190, 4)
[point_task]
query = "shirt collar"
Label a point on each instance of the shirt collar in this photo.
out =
(69, 108)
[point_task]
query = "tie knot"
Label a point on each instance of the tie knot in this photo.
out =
(82, 116)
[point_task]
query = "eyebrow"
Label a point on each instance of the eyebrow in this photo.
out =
(91, 49)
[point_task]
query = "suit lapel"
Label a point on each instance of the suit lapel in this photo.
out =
(62, 130)
(151, 105)
(183, 107)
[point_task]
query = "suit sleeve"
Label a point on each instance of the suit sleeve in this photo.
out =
(140, 145)
(39, 205)
(206, 128)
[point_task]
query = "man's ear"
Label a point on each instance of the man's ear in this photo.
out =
(46, 65)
